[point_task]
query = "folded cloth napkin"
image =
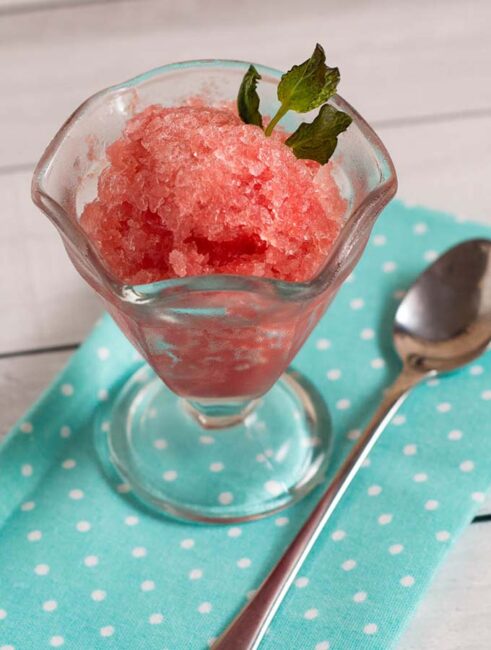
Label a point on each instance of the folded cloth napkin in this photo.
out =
(82, 567)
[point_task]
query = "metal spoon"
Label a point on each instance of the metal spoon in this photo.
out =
(443, 322)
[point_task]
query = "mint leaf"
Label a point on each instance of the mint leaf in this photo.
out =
(248, 99)
(317, 140)
(309, 84)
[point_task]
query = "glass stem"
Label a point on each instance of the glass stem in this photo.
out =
(213, 414)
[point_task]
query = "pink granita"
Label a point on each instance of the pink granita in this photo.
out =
(192, 190)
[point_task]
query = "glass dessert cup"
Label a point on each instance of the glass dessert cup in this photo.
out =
(213, 428)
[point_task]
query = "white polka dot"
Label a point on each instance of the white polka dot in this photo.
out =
(205, 608)
(343, 404)
(3, 614)
(479, 497)
(421, 477)
(395, 549)
(225, 498)
(322, 645)
(103, 394)
(123, 488)
(360, 597)
(187, 543)
(444, 407)
(103, 354)
(348, 565)
(147, 585)
(398, 420)
(206, 440)
(91, 560)
(26, 427)
(354, 434)
(65, 432)
(366, 463)
(56, 641)
(338, 535)
(76, 494)
(407, 581)
(367, 334)
(431, 504)
(301, 583)
(69, 463)
(334, 374)
(244, 563)
(34, 535)
(234, 532)
(67, 390)
(486, 395)
(374, 490)
(98, 595)
(379, 240)
(420, 228)
(26, 470)
(282, 521)
(377, 363)
(83, 526)
(410, 450)
(432, 383)
(357, 303)
(455, 435)
(28, 505)
(195, 574)
(389, 267)
(139, 551)
(169, 475)
(106, 426)
(50, 605)
(466, 466)
(323, 344)
(41, 569)
(275, 488)
(131, 520)
(443, 535)
(430, 256)
(476, 370)
(160, 443)
(216, 467)
(155, 619)
(107, 630)
(371, 628)
(7, 647)
(385, 519)
(310, 614)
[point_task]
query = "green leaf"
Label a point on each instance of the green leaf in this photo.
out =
(317, 140)
(309, 84)
(248, 99)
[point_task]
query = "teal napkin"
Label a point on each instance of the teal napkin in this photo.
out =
(84, 568)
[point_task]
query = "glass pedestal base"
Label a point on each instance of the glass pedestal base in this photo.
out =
(269, 460)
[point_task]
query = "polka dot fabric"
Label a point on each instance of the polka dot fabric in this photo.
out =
(83, 567)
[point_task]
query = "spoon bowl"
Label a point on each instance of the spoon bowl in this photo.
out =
(444, 320)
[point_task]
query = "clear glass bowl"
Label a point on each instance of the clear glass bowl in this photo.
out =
(211, 432)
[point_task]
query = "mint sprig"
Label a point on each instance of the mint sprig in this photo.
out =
(301, 89)
(248, 99)
(317, 140)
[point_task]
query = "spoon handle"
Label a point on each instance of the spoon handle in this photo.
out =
(248, 628)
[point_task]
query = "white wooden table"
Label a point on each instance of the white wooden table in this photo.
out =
(419, 71)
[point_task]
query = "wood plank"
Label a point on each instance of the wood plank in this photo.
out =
(454, 614)
(397, 59)
(445, 165)
(45, 302)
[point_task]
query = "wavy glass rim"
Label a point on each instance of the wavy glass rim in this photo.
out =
(157, 291)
